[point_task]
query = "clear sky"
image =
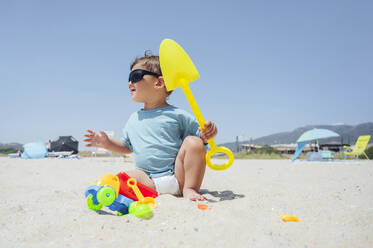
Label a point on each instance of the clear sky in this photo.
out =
(265, 66)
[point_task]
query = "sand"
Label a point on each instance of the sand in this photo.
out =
(42, 205)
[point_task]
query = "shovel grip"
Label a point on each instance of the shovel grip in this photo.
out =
(220, 149)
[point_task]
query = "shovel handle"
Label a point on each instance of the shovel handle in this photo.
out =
(132, 183)
(184, 84)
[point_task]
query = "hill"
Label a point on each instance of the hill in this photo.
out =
(348, 135)
(15, 146)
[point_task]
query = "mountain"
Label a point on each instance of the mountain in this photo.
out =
(348, 135)
(16, 146)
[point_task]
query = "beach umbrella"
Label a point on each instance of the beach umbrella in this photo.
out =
(316, 134)
(313, 134)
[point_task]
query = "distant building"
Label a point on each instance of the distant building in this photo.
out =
(333, 147)
(282, 148)
(290, 148)
(249, 147)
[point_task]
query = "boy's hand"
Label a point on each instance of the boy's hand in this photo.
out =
(96, 140)
(210, 130)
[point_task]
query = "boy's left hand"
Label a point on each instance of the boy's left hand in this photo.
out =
(210, 130)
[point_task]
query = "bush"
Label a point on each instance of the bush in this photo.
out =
(251, 155)
(8, 150)
(265, 150)
(369, 153)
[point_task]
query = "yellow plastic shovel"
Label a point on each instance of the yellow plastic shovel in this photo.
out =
(178, 70)
(132, 183)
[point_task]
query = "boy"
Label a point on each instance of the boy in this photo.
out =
(168, 144)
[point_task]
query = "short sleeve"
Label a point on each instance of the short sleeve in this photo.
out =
(190, 127)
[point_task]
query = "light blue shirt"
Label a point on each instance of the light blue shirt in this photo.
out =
(155, 137)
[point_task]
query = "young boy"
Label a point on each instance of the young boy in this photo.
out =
(168, 144)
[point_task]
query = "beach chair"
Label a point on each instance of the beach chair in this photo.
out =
(102, 151)
(359, 148)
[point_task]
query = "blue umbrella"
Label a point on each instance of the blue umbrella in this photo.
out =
(314, 134)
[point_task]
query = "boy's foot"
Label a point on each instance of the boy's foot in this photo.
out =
(192, 195)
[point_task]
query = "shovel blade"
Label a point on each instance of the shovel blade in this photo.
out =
(176, 66)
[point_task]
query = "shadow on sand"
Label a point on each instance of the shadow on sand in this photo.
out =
(102, 212)
(221, 195)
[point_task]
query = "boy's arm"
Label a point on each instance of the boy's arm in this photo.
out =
(117, 146)
(102, 140)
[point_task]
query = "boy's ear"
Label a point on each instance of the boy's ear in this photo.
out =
(160, 83)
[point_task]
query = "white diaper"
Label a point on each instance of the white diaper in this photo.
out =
(167, 185)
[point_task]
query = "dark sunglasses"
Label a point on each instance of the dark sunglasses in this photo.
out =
(137, 75)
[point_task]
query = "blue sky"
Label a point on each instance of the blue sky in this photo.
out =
(265, 66)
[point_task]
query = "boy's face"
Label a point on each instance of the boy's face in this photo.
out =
(143, 90)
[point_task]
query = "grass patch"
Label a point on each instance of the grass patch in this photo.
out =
(265, 152)
(88, 154)
(8, 151)
(249, 155)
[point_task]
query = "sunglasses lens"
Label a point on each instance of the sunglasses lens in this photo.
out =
(135, 76)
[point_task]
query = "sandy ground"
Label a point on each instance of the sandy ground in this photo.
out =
(42, 205)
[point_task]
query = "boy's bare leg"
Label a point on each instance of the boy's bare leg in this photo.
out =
(190, 167)
(141, 177)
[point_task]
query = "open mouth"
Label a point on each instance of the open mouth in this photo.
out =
(132, 91)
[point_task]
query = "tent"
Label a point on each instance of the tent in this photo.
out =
(314, 134)
(64, 144)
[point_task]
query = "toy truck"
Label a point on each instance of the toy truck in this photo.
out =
(112, 191)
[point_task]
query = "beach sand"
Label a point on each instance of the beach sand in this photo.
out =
(43, 205)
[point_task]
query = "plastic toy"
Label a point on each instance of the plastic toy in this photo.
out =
(106, 193)
(286, 218)
(126, 190)
(203, 206)
(142, 200)
(178, 70)
(132, 207)
(110, 191)
(142, 211)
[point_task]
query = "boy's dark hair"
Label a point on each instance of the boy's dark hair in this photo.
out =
(150, 62)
